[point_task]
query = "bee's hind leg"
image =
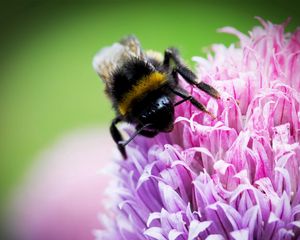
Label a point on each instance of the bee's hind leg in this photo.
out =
(186, 73)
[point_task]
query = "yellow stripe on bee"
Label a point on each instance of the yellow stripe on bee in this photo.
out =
(148, 83)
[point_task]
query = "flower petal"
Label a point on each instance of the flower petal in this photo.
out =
(197, 227)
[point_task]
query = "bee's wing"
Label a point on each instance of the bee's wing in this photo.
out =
(109, 58)
(133, 45)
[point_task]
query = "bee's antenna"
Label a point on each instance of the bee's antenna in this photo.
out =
(124, 143)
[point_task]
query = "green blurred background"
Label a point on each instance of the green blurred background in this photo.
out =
(47, 84)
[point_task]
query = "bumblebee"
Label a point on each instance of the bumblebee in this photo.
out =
(142, 87)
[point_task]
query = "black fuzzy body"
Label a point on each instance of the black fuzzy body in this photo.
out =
(152, 111)
(130, 74)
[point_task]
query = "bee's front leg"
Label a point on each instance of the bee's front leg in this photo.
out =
(117, 137)
(187, 97)
(186, 73)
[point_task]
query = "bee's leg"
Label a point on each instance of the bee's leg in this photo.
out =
(172, 54)
(186, 97)
(182, 100)
(117, 137)
(186, 73)
(190, 77)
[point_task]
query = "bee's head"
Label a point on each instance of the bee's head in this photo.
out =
(157, 111)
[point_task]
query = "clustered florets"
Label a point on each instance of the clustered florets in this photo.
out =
(233, 177)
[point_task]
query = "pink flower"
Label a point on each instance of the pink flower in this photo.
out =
(234, 177)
